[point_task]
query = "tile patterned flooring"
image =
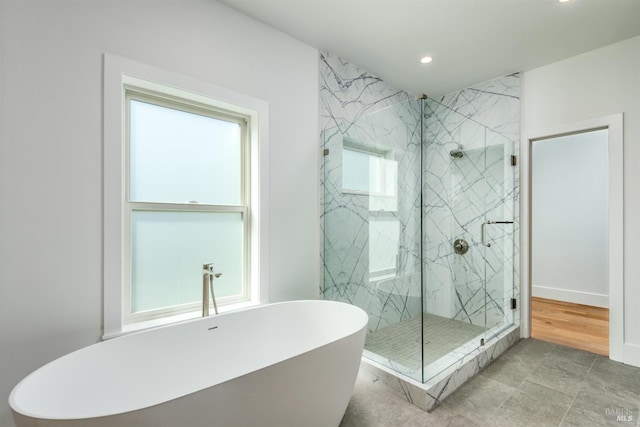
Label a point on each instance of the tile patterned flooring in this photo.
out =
(535, 383)
(402, 340)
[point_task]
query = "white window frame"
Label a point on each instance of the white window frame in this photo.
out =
(375, 152)
(133, 93)
(119, 75)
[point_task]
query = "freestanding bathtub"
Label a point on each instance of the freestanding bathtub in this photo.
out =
(284, 364)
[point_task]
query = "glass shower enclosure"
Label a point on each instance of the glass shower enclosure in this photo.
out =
(418, 212)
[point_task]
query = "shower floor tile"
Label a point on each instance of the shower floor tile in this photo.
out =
(401, 342)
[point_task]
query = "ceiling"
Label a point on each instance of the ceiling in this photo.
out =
(471, 41)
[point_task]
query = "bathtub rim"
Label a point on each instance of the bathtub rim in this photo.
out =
(381, 286)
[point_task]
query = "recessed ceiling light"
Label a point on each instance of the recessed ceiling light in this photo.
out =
(426, 59)
(563, 1)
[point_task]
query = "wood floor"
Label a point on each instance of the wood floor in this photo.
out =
(574, 325)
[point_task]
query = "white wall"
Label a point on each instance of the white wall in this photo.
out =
(569, 218)
(51, 153)
(599, 83)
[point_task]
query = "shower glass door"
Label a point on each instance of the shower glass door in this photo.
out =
(498, 232)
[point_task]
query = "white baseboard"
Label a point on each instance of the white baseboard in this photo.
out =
(631, 354)
(586, 298)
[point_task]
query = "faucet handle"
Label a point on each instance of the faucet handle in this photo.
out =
(208, 269)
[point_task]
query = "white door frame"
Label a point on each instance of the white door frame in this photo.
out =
(616, 243)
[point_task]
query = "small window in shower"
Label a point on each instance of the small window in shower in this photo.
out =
(370, 170)
(357, 166)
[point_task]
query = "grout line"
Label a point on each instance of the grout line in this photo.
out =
(411, 419)
(491, 416)
(528, 377)
(571, 404)
(584, 382)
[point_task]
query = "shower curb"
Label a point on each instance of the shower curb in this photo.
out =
(427, 396)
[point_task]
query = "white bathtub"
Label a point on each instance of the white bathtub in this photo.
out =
(407, 286)
(400, 299)
(284, 364)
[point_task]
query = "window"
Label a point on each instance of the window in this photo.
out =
(186, 204)
(185, 183)
(368, 170)
(371, 170)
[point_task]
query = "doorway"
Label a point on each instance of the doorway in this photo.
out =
(544, 295)
(569, 243)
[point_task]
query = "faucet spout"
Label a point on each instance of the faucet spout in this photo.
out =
(207, 287)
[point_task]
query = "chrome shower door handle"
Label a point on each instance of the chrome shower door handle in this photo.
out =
(482, 234)
(488, 223)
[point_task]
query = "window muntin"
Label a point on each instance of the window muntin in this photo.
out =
(186, 205)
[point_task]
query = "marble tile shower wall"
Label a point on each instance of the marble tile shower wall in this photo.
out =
(460, 193)
(494, 104)
(359, 108)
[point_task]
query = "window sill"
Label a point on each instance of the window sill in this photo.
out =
(165, 321)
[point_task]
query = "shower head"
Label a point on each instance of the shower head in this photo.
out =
(456, 154)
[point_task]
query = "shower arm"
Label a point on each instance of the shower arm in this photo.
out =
(488, 223)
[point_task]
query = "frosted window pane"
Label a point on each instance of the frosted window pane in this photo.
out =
(180, 157)
(355, 171)
(368, 173)
(169, 248)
